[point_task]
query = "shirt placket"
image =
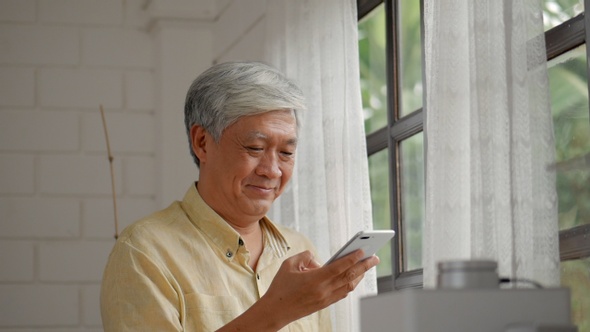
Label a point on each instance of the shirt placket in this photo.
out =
(265, 272)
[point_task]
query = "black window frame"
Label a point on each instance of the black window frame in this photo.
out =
(573, 243)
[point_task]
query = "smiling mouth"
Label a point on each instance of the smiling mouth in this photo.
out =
(263, 189)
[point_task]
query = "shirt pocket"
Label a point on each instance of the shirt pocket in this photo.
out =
(209, 312)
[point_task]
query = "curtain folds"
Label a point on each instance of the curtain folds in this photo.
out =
(315, 43)
(489, 139)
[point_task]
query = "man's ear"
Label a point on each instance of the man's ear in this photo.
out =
(199, 139)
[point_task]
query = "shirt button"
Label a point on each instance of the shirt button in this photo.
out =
(228, 254)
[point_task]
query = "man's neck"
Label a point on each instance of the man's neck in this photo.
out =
(253, 240)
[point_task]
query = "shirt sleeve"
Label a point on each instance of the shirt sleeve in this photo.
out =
(137, 294)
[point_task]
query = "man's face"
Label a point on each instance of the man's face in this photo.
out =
(249, 168)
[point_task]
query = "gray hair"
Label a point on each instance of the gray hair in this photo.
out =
(228, 91)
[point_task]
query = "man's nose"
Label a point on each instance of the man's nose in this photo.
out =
(269, 166)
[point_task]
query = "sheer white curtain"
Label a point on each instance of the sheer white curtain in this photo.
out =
(489, 139)
(315, 43)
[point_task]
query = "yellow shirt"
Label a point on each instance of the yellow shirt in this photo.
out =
(185, 269)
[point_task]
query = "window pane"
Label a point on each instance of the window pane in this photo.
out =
(574, 275)
(410, 55)
(379, 177)
(372, 69)
(556, 12)
(412, 199)
(569, 102)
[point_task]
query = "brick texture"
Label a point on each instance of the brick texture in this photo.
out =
(17, 86)
(99, 220)
(17, 11)
(83, 88)
(127, 132)
(20, 257)
(31, 217)
(139, 90)
(17, 174)
(77, 175)
(139, 176)
(82, 261)
(60, 60)
(116, 47)
(36, 45)
(39, 305)
(39, 131)
(91, 305)
(82, 12)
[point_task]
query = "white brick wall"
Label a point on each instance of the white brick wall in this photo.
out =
(18, 173)
(113, 47)
(59, 60)
(82, 12)
(17, 11)
(39, 217)
(28, 130)
(139, 90)
(20, 256)
(34, 305)
(18, 87)
(39, 45)
(76, 175)
(127, 132)
(80, 88)
(242, 16)
(81, 261)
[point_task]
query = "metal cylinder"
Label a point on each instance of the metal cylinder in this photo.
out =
(469, 274)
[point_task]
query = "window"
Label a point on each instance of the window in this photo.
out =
(391, 49)
(391, 83)
(567, 56)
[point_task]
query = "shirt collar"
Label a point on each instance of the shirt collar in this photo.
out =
(220, 232)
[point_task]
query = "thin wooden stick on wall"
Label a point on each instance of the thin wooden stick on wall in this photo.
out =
(111, 158)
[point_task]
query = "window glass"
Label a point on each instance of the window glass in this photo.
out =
(412, 200)
(571, 124)
(410, 56)
(574, 275)
(379, 178)
(556, 12)
(372, 64)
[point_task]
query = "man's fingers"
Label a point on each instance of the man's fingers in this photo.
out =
(349, 278)
(358, 270)
(348, 287)
(371, 262)
(354, 275)
(304, 261)
(342, 264)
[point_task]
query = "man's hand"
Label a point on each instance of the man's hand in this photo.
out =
(300, 288)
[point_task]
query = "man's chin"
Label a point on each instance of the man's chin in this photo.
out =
(260, 207)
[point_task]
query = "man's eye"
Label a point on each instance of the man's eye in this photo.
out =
(254, 148)
(287, 153)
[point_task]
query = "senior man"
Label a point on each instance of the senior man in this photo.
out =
(214, 261)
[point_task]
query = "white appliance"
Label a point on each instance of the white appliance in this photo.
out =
(468, 310)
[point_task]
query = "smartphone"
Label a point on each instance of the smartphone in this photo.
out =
(369, 241)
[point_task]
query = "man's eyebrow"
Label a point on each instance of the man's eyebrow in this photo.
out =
(292, 141)
(255, 134)
(260, 135)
